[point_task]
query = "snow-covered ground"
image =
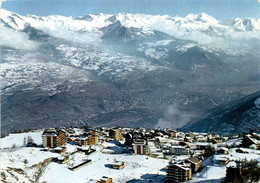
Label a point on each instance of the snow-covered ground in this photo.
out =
(211, 173)
(136, 166)
(214, 172)
(18, 139)
(23, 164)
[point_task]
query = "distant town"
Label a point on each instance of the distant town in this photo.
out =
(106, 155)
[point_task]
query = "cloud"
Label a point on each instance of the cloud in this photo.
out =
(174, 117)
(77, 37)
(17, 40)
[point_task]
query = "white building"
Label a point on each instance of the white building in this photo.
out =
(140, 147)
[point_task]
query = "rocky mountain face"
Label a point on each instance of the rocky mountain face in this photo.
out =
(124, 69)
(237, 116)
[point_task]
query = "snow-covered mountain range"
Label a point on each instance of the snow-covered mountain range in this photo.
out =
(123, 69)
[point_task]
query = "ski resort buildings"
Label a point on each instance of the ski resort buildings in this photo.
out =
(137, 152)
(54, 138)
(115, 134)
(178, 173)
(91, 139)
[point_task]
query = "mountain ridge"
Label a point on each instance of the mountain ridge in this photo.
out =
(241, 115)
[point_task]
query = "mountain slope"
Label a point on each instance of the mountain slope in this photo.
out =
(238, 116)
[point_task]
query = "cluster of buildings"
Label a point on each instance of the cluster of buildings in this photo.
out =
(185, 151)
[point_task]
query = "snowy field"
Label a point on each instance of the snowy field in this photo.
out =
(23, 164)
(136, 166)
(18, 139)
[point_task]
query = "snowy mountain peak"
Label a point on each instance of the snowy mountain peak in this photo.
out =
(247, 24)
(171, 25)
(202, 17)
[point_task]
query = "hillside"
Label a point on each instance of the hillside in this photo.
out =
(237, 116)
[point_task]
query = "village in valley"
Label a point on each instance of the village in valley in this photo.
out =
(105, 155)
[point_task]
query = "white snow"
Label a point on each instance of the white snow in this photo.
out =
(211, 173)
(135, 167)
(18, 139)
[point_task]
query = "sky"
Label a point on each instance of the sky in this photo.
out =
(220, 9)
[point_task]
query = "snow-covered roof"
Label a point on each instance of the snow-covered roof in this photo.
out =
(117, 163)
(61, 158)
(82, 138)
(84, 148)
(113, 150)
(232, 164)
(254, 140)
(50, 132)
(58, 148)
(178, 147)
(203, 143)
(221, 158)
(242, 149)
(222, 148)
(182, 166)
(104, 178)
(161, 139)
(193, 160)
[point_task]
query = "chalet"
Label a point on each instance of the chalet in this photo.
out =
(201, 138)
(248, 140)
(198, 153)
(59, 149)
(241, 150)
(204, 145)
(187, 139)
(148, 135)
(78, 166)
(160, 139)
(222, 150)
(115, 134)
(195, 163)
(86, 149)
(62, 159)
(174, 134)
(216, 140)
(178, 173)
(46, 149)
(221, 160)
(105, 180)
(118, 165)
(72, 139)
(54, 138)
(180, 150)
(140, 146)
